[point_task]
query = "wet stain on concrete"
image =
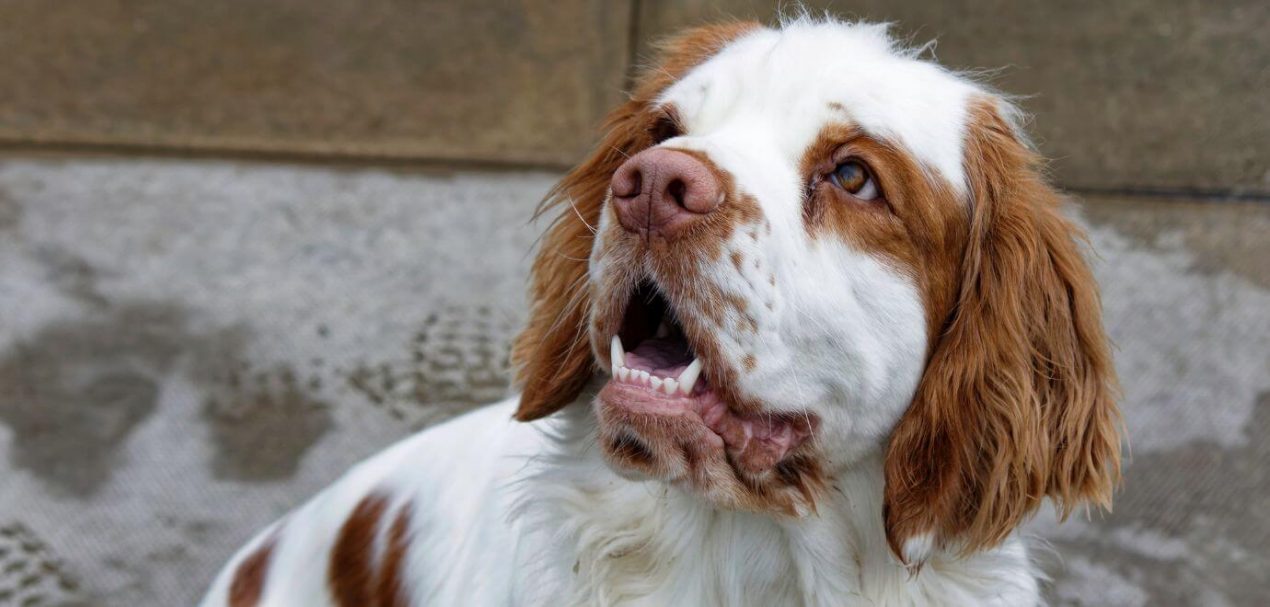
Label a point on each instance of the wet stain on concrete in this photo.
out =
(29, 572)
(1190, 526)
(263, 422)
(10, 211)
(458, 358)
(75, 391)
(1226, 237)
(72, 275)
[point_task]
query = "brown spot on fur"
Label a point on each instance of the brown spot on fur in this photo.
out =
(736, 302)
(1018, 398)
(248, 584)
(551, 355)
(737, 260)
(351, 572)
(749, 362)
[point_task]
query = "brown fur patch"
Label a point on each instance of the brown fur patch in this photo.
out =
(356, 575)
(248, 584)
(919, 224)
(551, 355)
(1018, 399)
(352, 566)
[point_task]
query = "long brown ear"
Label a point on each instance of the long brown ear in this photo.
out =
(1018, 399)
(552, 357)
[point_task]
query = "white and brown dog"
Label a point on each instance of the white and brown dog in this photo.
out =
(813, 332)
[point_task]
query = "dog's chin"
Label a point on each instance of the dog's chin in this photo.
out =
(694, 441)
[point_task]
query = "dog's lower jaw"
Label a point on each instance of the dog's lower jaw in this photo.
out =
(678, 447)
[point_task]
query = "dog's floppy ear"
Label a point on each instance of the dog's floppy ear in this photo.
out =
(552, 356)
(1017, 402)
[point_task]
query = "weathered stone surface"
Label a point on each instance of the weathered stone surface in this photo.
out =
(483, 80)
(1132, 94)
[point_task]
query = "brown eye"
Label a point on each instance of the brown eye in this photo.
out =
(854, 177)
(664, 128)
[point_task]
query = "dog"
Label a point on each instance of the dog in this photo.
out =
(808, 328)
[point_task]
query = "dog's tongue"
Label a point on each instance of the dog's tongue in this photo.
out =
(661, 356)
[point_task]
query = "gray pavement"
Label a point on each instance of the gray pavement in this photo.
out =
(189, 348)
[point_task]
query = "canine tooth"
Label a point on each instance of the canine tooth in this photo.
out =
(616, 353)
(655, 382)
(688, 378)
(615, 368)
(669, 386)
(662, 330)
(623, 373)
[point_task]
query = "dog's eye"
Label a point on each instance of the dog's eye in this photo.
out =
(854, 177)
(664, 128)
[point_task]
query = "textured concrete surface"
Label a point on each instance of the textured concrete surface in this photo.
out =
(191, 348)
(1135, 93)
(478, 80)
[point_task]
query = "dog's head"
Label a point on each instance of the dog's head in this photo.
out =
(798, 247)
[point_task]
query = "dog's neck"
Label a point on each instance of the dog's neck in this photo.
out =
(646, 542)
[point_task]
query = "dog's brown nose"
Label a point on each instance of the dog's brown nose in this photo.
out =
(662, 191)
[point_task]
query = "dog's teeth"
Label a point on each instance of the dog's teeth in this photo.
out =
(655, 382)
(643, 377)
(688, 378)
(662, 330)
(615, 369)
(623, 373)
(669, 386)
(616, 353)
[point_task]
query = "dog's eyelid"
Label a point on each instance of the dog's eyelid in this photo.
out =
(666, 124)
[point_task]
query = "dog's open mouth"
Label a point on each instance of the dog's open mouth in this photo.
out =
(659, 386)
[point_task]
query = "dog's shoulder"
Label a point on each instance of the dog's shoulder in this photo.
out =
(432, 507)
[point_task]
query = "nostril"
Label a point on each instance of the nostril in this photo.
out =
(677, 190)
(627, 183)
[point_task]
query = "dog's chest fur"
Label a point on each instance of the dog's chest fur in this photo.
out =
(619, 542)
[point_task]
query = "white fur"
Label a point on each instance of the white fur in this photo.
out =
(778, 84)
(505, 513)
(529, 514)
